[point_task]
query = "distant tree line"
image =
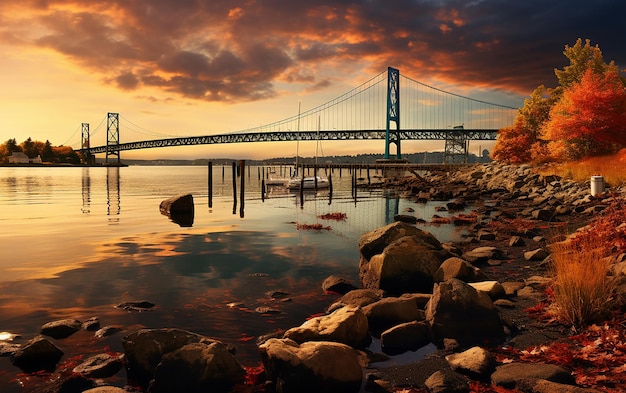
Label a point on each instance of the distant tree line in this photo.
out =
(32, 149)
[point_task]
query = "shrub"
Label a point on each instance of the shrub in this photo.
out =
(582, 287)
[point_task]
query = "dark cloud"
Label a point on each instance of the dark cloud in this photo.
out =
(237, 50)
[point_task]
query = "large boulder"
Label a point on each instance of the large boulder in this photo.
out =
(347, 325)
(36, 355)
(409, 336)
(407, 264)
(458, 311)
(374, 242)
(311, 367)
(179, 208)
(390, 311)
(144, 349)
(196, 368)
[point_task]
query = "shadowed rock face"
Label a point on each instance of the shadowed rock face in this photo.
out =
(311, 367)
(36, 355)
(179, 208)
(399, 258)
(458, 311)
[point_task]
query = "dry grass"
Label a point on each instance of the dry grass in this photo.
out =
(582, 287)
(613, 168)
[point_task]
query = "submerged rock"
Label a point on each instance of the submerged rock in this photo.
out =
(36, 355)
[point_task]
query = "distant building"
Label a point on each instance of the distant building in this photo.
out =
(17, 157)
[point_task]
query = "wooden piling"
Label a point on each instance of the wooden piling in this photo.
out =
(210, 181)
(242, 170)
(234, 187)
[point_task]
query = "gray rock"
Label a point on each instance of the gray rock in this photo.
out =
(107, 331)
(103, 365)
(509, 374)
(61, 329)
(374, 242)
(516, 241)
(476, 361)
(36, 355)
(7, 349)
(408, 336)
(311, 367)
(538, 254)
(106, 389)
(458, 311)
(447, 381)
(391, 311)
(179, 204)
(543, 386)
(197, 367)
(405, 218)
(347, 325)
(144, 349)
(494, 289)
(337, 284)
(407, 264)
(361, 297)
(484, 234)
(482, 254)
(91, 324)
(458, 268)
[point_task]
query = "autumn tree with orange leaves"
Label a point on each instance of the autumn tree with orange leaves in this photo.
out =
(583, 116)
(590, 118)
(516, 143)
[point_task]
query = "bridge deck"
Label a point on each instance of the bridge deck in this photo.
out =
(285, 136)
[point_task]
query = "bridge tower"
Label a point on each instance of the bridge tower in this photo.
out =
(89, 158)
(113, 136)
(455, 151)
(393, 111)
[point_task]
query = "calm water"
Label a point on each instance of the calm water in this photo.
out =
(77, 241)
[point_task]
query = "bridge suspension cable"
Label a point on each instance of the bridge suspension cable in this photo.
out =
(427, 112)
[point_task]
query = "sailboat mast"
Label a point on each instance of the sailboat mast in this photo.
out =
(298, 137)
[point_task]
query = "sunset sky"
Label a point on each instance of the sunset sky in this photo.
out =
(199, 67)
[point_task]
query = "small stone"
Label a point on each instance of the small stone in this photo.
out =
(61, 329)
(267, 310)
(100, 366)
(536, 255)
(141, 305)
(516, 241)
(91, 324)
(107, 331)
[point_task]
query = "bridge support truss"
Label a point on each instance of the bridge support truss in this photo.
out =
(393, 111)
(113, 137)
(85, 144)
(455, 151)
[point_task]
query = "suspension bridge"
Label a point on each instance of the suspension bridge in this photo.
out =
(367, 112)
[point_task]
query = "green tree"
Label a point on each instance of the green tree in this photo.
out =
(29, 148)
(47, 155)
(12, 146)
(582, 57)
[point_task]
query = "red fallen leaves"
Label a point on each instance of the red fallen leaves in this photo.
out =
(334, 216)
(255, 375)
(312, 227)
(597, 356)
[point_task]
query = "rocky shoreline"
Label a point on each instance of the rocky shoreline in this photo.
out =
(466, 300)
